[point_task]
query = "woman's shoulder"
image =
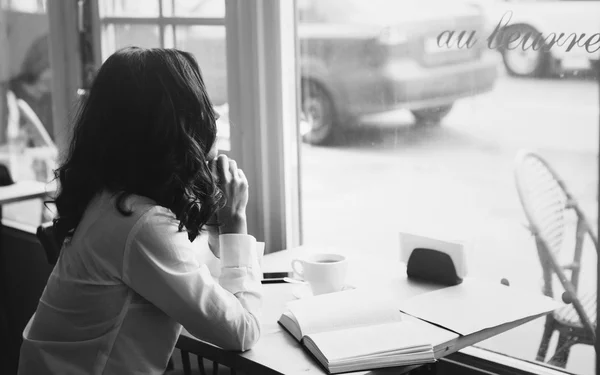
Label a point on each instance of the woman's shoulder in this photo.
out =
(134, 208)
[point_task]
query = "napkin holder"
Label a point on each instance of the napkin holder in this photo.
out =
(433, 260)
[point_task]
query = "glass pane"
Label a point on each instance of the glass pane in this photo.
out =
(401, 133)
(129, 8)
(27, 147)
(194, 8)
(26, 6)
(115, 37)
(207, 44)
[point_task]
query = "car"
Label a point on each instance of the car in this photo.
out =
(578, 19)
(360, 57)
(357, 57)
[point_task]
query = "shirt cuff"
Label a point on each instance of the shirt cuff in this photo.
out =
(237, 250)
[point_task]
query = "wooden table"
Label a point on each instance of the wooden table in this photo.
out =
(278, 353)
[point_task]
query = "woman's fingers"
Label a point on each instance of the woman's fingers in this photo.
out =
(233, 169)
(223, 169)
(226, 170)
(242, 177)
(234, 185)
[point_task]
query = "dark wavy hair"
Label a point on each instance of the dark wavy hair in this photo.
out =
(146, 128)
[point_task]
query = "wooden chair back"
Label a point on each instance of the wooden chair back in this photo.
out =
(46, 236)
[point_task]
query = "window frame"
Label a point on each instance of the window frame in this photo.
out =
(65, 63)
(261, 67)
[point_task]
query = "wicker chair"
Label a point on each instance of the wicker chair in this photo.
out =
(547, 204)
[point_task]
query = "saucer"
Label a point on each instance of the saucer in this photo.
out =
(303, 291)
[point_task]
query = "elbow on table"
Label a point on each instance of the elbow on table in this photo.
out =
(247, 335)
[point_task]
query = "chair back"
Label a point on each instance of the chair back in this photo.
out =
(46, 236)
(547, 203)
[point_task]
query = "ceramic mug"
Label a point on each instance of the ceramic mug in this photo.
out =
(325, 273)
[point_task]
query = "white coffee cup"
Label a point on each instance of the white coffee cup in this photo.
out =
(325, 273)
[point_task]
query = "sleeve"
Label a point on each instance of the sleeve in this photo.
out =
(160, 265)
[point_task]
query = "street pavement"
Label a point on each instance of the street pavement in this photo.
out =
(456, 181)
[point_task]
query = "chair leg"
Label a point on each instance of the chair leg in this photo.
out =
(545, 342)
(201, 365)
(563, 348)
(215, 368)
(185, 359)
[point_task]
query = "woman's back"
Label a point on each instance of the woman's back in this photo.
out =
(86, 302)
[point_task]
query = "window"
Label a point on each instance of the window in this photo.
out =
(398, 130)
(27, 146)
(26, 6)
(194, 26)
(402, 131)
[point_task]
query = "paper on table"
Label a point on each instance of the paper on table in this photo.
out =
(352, 308)
(475, 305)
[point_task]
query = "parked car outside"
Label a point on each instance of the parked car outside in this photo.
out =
(360, 57)
(577, 19)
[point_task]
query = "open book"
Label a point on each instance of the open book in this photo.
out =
(356, 330)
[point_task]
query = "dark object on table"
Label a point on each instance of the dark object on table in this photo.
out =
(432, 265)
(548, 206)
(5, 177)
(275, 277)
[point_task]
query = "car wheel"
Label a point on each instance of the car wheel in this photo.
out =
(318, 116)
(524, 63)
(432, 115)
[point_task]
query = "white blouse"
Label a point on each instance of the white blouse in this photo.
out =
(123, 287)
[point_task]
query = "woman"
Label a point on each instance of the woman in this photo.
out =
(136, 189)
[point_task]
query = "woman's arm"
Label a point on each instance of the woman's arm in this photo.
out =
(213, 239)
(161, 266)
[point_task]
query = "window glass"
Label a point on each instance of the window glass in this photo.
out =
(27, 6)
(27, 147)
(118, 36)
(205, 42)
(129, 8)
(402, 131)
(195, 8)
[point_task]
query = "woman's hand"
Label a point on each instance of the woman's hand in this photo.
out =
(232, 181)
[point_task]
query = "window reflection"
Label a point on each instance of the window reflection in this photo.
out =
(27, 146)
(403, 133)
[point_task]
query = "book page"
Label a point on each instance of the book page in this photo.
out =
(288, 321)
(377, 341)
(352, 308)
(475, 305)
